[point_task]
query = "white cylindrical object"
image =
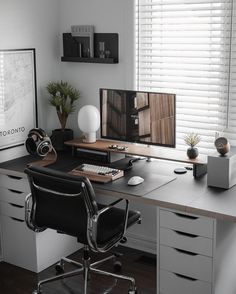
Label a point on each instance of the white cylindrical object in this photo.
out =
(90, 137)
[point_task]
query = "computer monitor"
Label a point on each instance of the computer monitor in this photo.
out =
(138, 116)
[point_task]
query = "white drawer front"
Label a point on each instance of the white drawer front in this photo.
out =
(200, 226)
(13, 196)
(171, 283)
(186, 241)
(19, 247)
(182, 262)
(14, 182)
(12, 210)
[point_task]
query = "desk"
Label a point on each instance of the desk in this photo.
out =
(196, 227)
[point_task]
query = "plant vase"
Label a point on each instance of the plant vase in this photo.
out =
(192, 152)
(59, 136)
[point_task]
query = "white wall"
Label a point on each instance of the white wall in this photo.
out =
(33, 24)
(40, 24)
(107, 16)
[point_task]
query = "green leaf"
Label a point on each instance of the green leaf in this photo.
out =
(62, 97)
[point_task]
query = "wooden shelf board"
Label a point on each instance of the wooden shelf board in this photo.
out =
(140, 150)
(89, 59)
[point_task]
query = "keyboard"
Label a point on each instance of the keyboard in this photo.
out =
(98, 173)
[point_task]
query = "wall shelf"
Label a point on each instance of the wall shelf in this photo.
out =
(76, 49)
(89, 59)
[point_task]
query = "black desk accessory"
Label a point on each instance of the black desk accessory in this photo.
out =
(125, 163)
(180, 170)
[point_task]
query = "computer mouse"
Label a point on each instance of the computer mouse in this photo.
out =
(136, 180)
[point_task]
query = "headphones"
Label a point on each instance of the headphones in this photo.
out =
(38, 142)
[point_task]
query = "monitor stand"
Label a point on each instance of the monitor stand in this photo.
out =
(199, 164)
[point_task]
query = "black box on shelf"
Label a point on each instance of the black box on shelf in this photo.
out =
(100, 156)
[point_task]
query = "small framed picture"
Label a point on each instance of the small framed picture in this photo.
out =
(18, 96)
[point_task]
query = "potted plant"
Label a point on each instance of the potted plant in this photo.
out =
(62, 97)
(192, 140)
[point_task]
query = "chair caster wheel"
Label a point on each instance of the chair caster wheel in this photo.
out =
(133, 291)
(59, 268)
(36, 292)
(117, 266)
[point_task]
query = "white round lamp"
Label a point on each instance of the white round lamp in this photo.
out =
(89, 122)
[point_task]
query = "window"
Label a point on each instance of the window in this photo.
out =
(184, 47)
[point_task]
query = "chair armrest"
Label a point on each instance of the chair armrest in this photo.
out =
(93, 224)
(112, 204)
(29, 215)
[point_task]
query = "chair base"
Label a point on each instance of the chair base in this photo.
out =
(85, 268)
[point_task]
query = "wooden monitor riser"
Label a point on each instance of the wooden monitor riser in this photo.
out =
(148, 151)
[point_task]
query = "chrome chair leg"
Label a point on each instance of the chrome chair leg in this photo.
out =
(97, 263)
(86, 273)
(122, 277)
(70, 261)
(85, 268)
(58, 277)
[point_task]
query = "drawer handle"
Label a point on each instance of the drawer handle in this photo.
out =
(185, 234)
(185, 215)
(185, 277)
(17, 219)
(14, 177)
(16, 205)
(186, 252)
(15, 191)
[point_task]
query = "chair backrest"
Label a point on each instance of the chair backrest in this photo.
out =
(61, 201)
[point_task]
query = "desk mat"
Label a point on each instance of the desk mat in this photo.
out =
(151, 182)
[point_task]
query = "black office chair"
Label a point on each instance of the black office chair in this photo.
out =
(67, 204)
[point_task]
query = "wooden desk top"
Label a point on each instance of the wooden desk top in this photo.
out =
(185, 193)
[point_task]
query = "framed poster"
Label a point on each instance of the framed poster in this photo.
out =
(18, 101)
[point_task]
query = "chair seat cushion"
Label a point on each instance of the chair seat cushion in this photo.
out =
(111, 223)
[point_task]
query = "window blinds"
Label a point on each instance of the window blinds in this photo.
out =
(231, 127)
(184, 47)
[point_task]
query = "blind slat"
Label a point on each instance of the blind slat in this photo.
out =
(186, 47)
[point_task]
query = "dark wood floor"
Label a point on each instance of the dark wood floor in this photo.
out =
(141, 266)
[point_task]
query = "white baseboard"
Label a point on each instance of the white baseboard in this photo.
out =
(141, 243)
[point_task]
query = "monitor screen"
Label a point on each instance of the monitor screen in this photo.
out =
(140, 117)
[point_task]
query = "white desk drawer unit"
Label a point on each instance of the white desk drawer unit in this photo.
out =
(185, 253)
(13, 196)
(17, 183)
(12, 210)
(172, 283)
(200, 226)
(186, 263)
(18, 243)
(21, 246)
(186, 241)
